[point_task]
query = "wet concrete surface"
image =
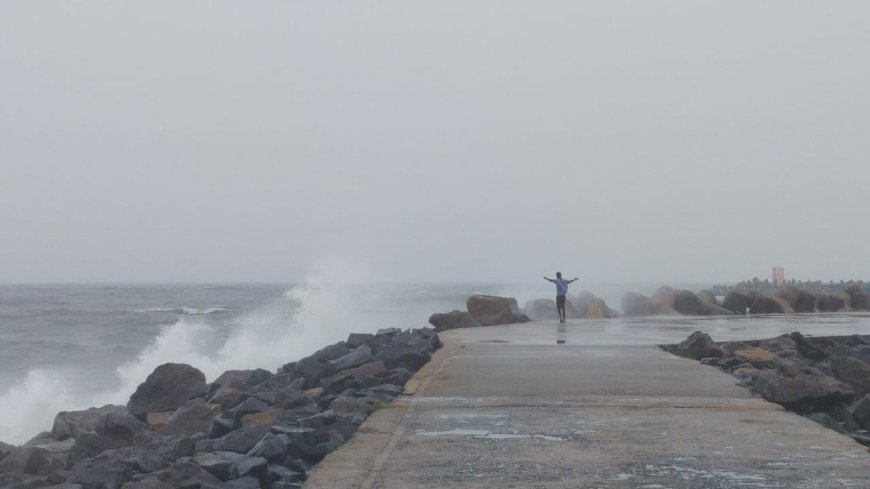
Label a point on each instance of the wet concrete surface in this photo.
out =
(509, 407)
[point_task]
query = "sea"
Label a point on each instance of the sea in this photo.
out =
(70, 347)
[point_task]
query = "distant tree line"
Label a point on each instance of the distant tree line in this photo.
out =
(814, 286)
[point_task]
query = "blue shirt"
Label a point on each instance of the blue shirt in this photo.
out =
(561, 286)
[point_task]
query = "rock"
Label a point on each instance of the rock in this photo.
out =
(762, 304)
(834, 302)
(662, 301)
(799, 300)
(119, 426)
(636, 305)
(697, 346)
(26, 460)
(489, 310)
(853, 372)
(350, 409)
(243, 440)
(257, 377)
(591, 307)
(861, 411)
(167, 388)
(737, 303)
(158, 420)
(266, 418)
(757, 357)
(229, 397)
(402, 356)
(859, 352)
(388, 332)
(687, 303)
(69, 424)
(249, 467)
(453, 320)
(827, 421)
(5, 449)
(708, 297)
(280, 474)
(860, 300)
(372, 369)
(521, 318)
(845, 418)
(186, 474)
(190, 419)
(357, 357)
(802, 393)
(272, 447)
(90, 445)
(246, 482)
(354, 340)
(217, 464)
(23, 481)
(149, 483)
(231, 377)
(100, 474)
(249, 406)
(303, 441)
(786, 307)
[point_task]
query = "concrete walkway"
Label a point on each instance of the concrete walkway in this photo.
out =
(509, 407)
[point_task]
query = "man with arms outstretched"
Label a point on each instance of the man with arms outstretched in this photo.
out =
(561, 290)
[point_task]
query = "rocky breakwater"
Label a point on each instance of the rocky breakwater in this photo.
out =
(482, 310)
(826, 379)
(667, 301)
(249, 429)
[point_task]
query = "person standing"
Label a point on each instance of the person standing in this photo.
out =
(561, 290)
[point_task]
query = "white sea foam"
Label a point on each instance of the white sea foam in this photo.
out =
(326, 308)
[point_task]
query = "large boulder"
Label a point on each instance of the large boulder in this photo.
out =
(26, 460)
(70, 424)
(662, 301)
(800, 300)
(708, 296)
(853, 372)
(453, 320)
(591, 307)
(802, 392)
(834, 302)
(355, 358)
(167, 388)
(697, 346)
(100, 473)
(737, 303)
(763, 304)
(687, 303)
(635, 305)
(860, 412)
(489, 310)
(860, 298)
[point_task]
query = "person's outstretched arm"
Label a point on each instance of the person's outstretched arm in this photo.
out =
(572, 280)
(548, 279)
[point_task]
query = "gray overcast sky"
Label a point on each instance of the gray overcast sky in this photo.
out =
(442, 140)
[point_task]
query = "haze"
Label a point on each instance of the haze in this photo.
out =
(662, 141)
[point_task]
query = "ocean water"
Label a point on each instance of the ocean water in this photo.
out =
(68, 347)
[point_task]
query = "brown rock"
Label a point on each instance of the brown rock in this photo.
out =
(490, 310)
(265, 418)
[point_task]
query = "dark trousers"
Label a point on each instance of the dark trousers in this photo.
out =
(560, 306)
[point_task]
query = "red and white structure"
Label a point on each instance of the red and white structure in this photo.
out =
(778, 276)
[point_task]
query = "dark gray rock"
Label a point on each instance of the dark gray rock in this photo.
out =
(187, 474)
(258, 376)
(243, 440)
(853, 372)
(802, 393)
(357, 357)
(858, 352)
(248, 406)
(194, 417)
(5, 448)
(72, 423)
(272, 447)
(246, 482)
(799, 299)
(26, 460)
(100, 474)
(860, 300)
(452, 320)
(168, 387)
(249, 467)
(355, 340)
(387, 332)
(23, 481)
(833, 302)
(90, 445)
(737, 303)
(762, 304)
(521, 318)
(827, 421)
(280, 474)
(221, 426)
(217, 464)
(119, 426)
(149, 483)
(688, 304)
(697, 346)
(861, 411)
(402, 356)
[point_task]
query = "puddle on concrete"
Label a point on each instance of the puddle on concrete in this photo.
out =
(486, 434)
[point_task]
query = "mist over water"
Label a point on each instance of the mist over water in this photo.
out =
(108, 339)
